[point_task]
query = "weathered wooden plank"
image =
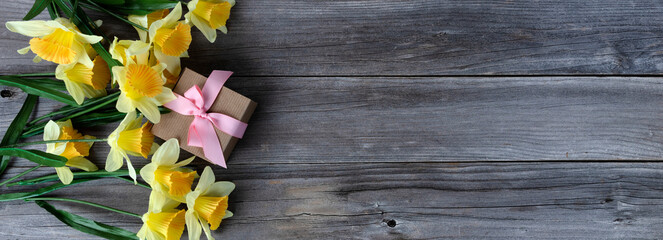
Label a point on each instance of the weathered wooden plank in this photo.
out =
(395, 37)
(424, 200)
(390, 119)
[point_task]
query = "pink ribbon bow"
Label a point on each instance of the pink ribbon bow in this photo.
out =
(201, 131)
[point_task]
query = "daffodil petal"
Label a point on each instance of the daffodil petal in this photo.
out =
(51, 131)
(220, 189)
(64, 174)
(142, 233)
(208, 32)
(206, 229)
(88, 38)
(173, 16)
(149, 109)
(172, 62)
(114, 161)
(165, 96)
(132, 171)
(147, 173)
(82, 163)
(228, 214)
(168, 153)
(124, 104)
(141, 20)
(33, 28)
(24, 50)
(184, 162)
(206, 180)
(193, 225)
(76, 91)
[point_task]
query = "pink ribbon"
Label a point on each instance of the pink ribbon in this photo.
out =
(201, 131)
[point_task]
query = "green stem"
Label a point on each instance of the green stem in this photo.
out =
(34, 75)
(132, 181)
(20, 174)
(94, 6)
(54, 141)
(112, 100)
(84, 202)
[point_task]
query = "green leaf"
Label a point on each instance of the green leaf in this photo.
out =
(36, 9)
(49, 83)
(41, 191)
(96, 119)
(109, 2)
(77, 175)
(86, 225)
(16, 127)
(142, 7)
(36, 156)
(34, 88)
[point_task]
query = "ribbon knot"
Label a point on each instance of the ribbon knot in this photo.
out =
(202, 134)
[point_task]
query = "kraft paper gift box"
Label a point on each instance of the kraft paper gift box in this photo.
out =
(229, 102)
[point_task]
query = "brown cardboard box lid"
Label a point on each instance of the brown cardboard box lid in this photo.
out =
(229, 102)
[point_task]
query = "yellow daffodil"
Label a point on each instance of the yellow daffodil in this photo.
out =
(75, 152)
(166, 175)
(83, 81)
(209, 16)
(207, 205)
(147, 20)
(127, 51)
(129, 138)
(162, 221)
(171, 39)
(58, 40)
(142, 87)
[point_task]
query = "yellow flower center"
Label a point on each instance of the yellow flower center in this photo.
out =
(55, 47)
(178, 183)
(212, 209)
(97, 76)
(73, 149)
(137, 140)
(216, 14)
(174, 42)
(142, 81)
(170, 225)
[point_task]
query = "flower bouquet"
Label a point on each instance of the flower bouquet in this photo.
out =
(110, 81)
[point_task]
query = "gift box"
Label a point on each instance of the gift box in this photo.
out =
(227, 102)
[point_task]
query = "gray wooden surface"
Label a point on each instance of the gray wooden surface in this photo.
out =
(414, 120)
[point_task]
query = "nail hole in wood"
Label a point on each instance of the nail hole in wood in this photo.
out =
(6, 93)
(391, 223)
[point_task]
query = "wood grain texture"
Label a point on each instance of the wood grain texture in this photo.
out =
(422, 37)
(366, 129)
(418, 200)
(392, 119)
